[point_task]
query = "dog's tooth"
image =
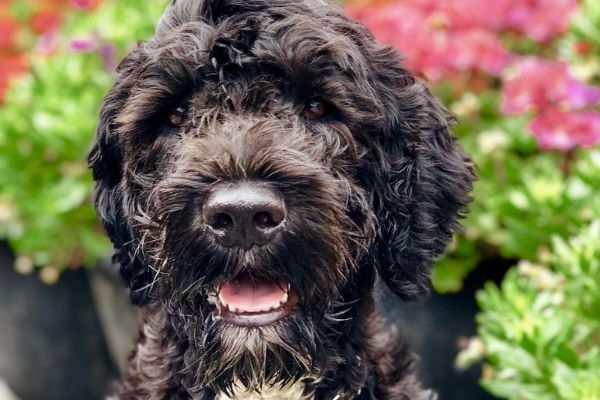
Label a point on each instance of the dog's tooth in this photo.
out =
(222, 300)
(284, 298)
(211, 298)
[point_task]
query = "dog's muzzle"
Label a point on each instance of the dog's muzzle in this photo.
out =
(243, 215)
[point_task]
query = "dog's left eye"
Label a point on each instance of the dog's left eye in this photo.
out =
(176, 117)
(316, 109)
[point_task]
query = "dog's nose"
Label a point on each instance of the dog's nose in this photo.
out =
(244, 214)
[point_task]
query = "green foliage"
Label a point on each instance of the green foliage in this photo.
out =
(539, 330)
(586, 25)
(46, 129)
(531, 197)
(541, 327)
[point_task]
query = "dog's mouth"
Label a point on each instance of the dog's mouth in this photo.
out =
(250, 301)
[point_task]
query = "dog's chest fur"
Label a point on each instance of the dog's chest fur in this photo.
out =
(290, 392)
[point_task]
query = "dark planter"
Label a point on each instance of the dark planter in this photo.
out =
(51, 342)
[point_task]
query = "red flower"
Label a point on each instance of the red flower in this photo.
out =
(45, 21)
(11, 66)
(51, 4)
(9, 29)
(584, 47)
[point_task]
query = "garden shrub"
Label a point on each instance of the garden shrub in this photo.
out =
(541, 327)
(47, 124)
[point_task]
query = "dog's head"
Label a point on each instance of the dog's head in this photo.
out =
(256, 161)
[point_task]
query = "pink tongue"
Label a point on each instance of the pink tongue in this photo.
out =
(247, 295)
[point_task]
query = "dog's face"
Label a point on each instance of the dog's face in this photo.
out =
(256, 161)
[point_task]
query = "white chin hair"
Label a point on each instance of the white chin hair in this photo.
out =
(293, 391)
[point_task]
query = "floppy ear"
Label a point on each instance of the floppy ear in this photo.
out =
(423, 180)
(106, 161)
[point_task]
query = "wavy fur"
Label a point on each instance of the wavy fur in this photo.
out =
(377, 185)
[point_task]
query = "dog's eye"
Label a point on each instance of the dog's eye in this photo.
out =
(316, 109)
(176, 117)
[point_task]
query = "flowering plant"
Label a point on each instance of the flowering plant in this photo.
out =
(63, 55)
(22, 24)
(515, 42)
(523, 77)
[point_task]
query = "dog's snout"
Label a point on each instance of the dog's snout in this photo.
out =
(244, 214)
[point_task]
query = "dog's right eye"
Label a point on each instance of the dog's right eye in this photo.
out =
(316, 108)
(176, 117)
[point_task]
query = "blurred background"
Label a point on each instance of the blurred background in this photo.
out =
(516, 313)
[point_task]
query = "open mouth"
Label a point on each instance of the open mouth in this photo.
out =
(251, 302)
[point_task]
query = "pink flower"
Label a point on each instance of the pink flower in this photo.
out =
(83, 44)
(85, 4)
(440, 37)
(47, 44)
(540, 83)
(436, 37)
(539, 19)
(478, 49)
(566, 130)
(579, 95)
(465, 14)
(108, 54)
(404, 26)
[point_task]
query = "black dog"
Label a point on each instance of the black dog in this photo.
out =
(258, 162)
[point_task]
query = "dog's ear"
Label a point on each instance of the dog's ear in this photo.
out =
(106, 162)
(422, 179)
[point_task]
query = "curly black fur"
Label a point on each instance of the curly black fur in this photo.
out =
(377, 184)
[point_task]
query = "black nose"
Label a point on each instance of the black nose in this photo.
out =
(244, 214)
